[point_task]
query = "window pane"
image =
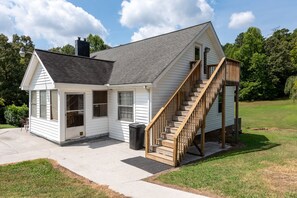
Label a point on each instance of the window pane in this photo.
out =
(75, 118)
(33, 110)
(197, 53)
(126, 113)
(54, 105)
(99, 110)
(33, 104)
(33, 97)
(99, 97)
(42, 97)
(75, 102)
(125, 98)
(42, 104)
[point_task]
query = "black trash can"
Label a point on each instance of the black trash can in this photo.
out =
(136, 133)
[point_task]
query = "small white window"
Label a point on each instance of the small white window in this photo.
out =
(125, 105)
(42, 104)
(99, 103)
(54, 105)
(33, 104)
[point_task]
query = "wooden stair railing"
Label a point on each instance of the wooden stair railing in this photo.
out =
(227, 71)
(160, 121)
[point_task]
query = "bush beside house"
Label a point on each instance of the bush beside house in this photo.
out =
(15, 114)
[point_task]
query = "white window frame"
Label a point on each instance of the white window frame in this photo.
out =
(129, 106)
(100, 103)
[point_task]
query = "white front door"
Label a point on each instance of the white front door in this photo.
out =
(74, 115)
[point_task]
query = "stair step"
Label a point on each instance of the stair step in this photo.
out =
(171, 129)
(165, 151)
(188, 102)
(182, 113)
(195, 94)
(178, 118)
(167, 143)
(168, 136)
(160, 158)
(175, 123)
(199, 89)
(185, 108)
(192, 98)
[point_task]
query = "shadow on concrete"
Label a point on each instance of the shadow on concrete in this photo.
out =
(95, 143)
(148, 165)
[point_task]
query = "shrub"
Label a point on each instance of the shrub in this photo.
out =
(13, 114)
(291, 87)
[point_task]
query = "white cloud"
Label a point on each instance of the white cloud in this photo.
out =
(57, 21)
(155, 17)
(241, 19)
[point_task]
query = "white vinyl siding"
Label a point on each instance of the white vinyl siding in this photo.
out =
(45, 128)
(171, 80)
(40, 80)
(214, 118)
(119, 129)
(212, 55)
(94, 126)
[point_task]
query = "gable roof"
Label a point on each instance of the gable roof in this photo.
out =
(143, 61)
(75, 69)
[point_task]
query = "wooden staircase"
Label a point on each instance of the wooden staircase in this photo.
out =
(175, 126)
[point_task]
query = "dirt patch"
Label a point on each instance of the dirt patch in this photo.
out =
(103, 188)
(281, 178)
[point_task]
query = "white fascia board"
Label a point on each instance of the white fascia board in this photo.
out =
(29, 71)
(79, 86)
(147, 85)
(178, 57)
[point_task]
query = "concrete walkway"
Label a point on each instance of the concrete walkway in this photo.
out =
(105, 161)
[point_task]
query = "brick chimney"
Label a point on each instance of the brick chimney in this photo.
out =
(82, 47)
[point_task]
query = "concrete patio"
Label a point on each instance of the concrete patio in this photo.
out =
(104, 161)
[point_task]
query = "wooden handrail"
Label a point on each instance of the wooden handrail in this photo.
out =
(199, 98)
(175, 93)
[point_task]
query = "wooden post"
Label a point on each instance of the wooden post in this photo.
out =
(236, 112)
(223, 113)
(203, 126)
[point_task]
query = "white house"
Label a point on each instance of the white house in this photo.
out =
(102, 93)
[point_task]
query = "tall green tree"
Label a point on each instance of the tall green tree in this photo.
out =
(13, 67)
(278, 48)
(96, 43)
(66, 49)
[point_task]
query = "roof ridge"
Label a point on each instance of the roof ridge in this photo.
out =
(154, 36)
(69, 55)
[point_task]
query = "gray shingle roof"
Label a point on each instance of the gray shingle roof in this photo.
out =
(143, 61)
(74, 69)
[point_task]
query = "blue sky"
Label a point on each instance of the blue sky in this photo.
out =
(58, 22)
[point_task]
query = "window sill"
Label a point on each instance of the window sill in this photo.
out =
(101, 117)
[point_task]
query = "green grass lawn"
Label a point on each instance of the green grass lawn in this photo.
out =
(39, 178)
(269, 114)
(266, 166)
(5, 126)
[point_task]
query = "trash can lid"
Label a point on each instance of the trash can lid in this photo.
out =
(136, 125)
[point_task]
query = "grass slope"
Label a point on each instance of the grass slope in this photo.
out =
(265, 167)
(278, 113)
(5, 126)
(39, 178)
